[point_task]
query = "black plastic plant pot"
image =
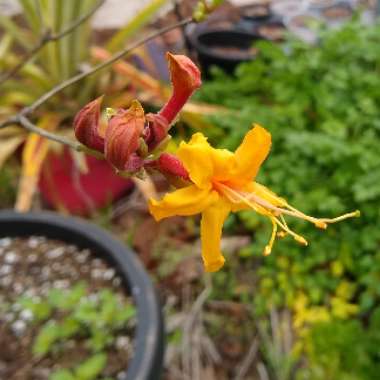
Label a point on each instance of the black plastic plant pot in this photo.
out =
(147, 361)
(224, 48)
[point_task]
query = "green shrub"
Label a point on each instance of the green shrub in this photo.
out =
(321, 105)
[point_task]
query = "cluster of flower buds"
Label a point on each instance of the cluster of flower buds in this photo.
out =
(131, 139)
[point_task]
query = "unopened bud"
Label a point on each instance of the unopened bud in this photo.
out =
(157, 130)
(87, 125)
(123, 137)
(170, 164)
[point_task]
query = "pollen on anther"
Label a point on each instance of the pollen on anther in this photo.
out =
(301, 240)
(321, 225)
(267, 250)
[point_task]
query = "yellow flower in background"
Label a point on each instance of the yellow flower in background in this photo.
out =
(223, 182)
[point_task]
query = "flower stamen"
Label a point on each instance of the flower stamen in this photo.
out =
(276, 214)
(268, 248)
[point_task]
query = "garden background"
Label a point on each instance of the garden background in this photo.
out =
(302, 312)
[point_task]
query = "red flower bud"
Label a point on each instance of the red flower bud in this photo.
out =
(170, 164)
(122, 138)
(86, 125)
(186, 78)
(157, 130)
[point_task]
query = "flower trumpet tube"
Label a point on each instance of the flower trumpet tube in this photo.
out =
(186, 78)
(223, 182)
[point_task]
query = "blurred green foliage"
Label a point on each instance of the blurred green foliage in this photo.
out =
(343, 351)
(322, 105)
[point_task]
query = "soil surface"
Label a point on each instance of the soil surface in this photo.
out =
(31, 267)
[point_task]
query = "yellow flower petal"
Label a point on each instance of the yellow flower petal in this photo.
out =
(189, 200)
(211, 231)
(203, 162)
(251, 154)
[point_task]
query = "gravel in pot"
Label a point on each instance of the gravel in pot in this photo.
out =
(74, 302)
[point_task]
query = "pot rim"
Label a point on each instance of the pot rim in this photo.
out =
(147, 360)
(205, 49)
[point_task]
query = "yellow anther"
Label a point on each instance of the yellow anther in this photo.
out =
(300, 240)
(267, 250)
(320, 224)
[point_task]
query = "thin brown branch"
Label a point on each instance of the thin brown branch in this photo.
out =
(21, 119)
(46, 38)
(27, 110)
(28, 125)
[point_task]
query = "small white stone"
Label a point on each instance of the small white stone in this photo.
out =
(5, 269)
(11, 258)
(16, 307)
(5, 242)
(30, 292)
(9, 317)
(5, 281)
(121, 376)
(116, 281)
(26, 315)
(32, 258)
(55, 253)
(18, 288)
(96, 274)
(82, 256)
(109, 274)
(33, 242)
(122, 342)
(61, 284)
(18, 327)
(71, 248)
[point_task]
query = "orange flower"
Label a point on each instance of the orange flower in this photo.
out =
(223, 182)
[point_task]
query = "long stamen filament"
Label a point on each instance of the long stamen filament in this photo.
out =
(297, 237)
(236, 194)
(274, 212)
(282, 234)
(268, 248)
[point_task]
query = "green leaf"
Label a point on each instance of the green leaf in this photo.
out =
(92, 367)
(41, 310)
(62, 374)
(48, 335)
